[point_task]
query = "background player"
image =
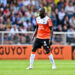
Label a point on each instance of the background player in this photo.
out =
(43, 34)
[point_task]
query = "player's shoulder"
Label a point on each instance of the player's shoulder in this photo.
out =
(46, 18)
(38, 18)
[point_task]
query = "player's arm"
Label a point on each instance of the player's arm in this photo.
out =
(35, 32)
(51, 29)
(51, 35)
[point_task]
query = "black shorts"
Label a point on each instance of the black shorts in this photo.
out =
(41, 42)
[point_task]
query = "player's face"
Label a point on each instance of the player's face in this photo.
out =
(42, 13)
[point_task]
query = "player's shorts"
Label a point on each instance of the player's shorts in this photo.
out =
(41, 42)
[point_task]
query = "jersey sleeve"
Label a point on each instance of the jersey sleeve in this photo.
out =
(36, 21)
(49, 23)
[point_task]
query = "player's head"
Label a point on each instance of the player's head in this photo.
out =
(42, 12)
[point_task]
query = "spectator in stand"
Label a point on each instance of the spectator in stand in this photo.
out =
(7, 12)
(6, 41)
(64, 28)
(33, 21)
(4, 2)
(61, 15)
(56, 1)
(21, 12)
(54, 20)
(71, 37)
(14, 29)
(36, 13)
(69, 10)
(73, 1)
(70, 30)
(8, 23)
(56, 12)
(60, 4)
(28, 2)
(23, 9)
(27, 25)
(21, 15)
(59, 29)
(66, 3)
(57, 39)
(66, 21)
(26, 16)
(48, 9)
(72, 22)
(74, 8)
(2, 25)
(23, 39)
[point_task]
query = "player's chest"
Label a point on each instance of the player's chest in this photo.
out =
(42, 26)
(42, 21)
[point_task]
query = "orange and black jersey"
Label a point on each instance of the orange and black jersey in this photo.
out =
(43, 31)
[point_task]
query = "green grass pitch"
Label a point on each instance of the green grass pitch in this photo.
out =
(41, 67)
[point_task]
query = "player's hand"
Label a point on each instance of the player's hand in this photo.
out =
(32, 38)
(50, 42)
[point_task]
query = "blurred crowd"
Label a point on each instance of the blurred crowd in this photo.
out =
(20, 15)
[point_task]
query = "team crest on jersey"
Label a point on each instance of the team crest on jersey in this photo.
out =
(42, 21)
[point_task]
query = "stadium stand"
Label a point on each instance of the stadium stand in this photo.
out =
(20, 15)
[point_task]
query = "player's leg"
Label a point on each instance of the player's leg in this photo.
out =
(52, 61)
(36, 45)
(47, 48)
(32, 57)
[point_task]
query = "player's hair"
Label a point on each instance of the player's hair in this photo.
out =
(42, 12)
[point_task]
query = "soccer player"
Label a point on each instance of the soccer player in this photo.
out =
(43, 34)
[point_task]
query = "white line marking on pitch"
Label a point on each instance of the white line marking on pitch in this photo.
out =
(49, 70)
(36, 63)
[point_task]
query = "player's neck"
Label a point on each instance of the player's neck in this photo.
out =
(42, 16)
